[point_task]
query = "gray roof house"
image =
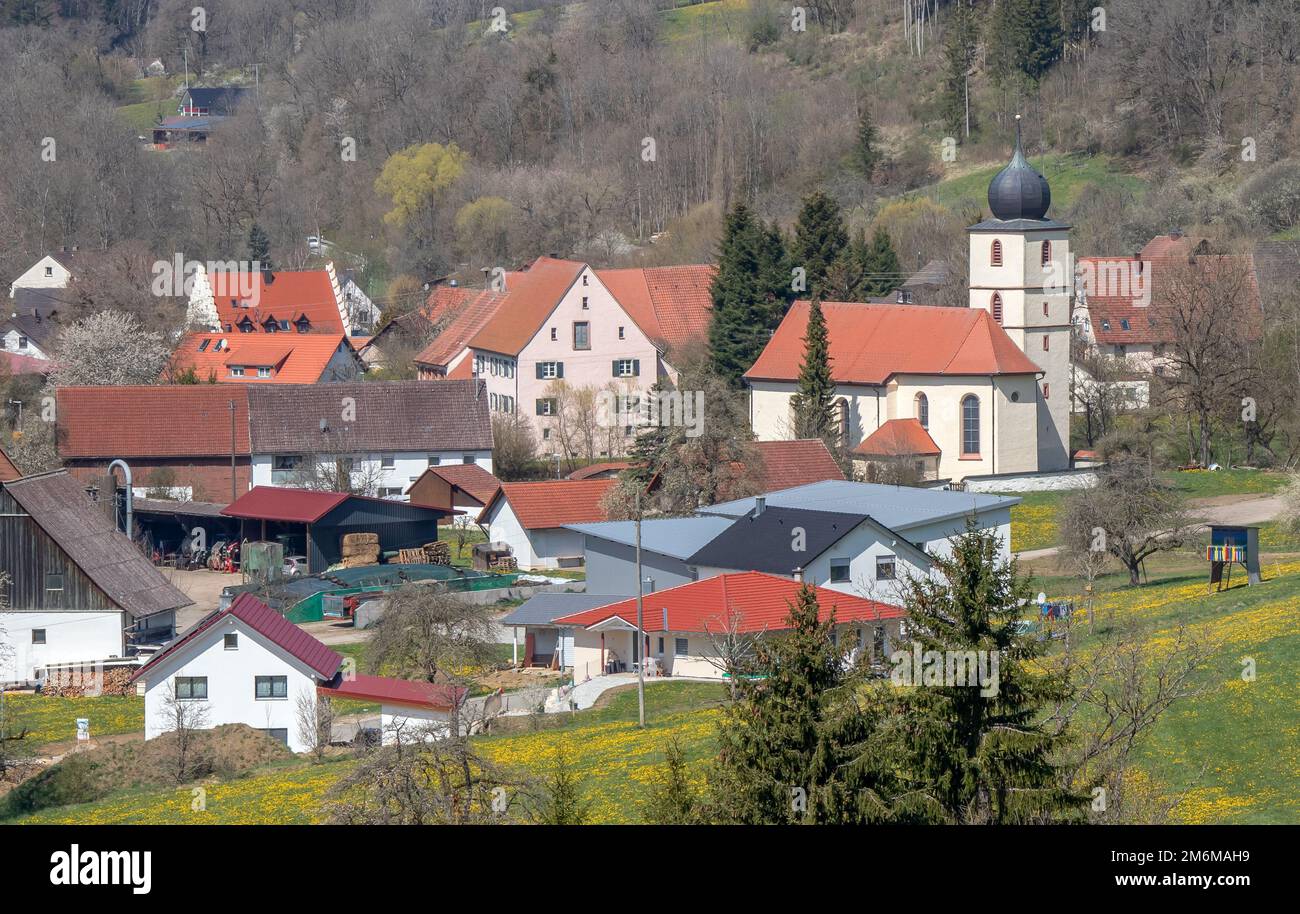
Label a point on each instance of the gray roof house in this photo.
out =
(546, 644)
(666, 545)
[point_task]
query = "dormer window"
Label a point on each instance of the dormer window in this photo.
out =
(236, 371)
(995, 253)
(1105, 325)
(302, 324)
(264, 371)
(1123, 324)
(246, 326)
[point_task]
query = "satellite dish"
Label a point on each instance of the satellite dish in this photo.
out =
(1042, 598)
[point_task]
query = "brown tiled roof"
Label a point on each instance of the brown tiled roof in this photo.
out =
(471, 478)
(8, 469)
(60, 506)
(389, 416)
(796, 463)
(185, 420)
(604, 469)
(554, 503)
(898, 438)
(869, 344)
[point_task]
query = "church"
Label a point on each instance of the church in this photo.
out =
(956, 392)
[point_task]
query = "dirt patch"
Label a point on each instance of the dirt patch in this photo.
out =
(529, 678)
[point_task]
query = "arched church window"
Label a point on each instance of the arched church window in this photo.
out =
(1047, 253)
(995, 305)
(922, 405)
(842, 420)
(970, 425)
(995, 254)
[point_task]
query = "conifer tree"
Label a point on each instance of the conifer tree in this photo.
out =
(814, 412)
(558, 799)
(742, 312)
(259, 247)
(980, 748)
(866, 153)
(774, 273)
(883, 272)
(959, 56)
(672, 799)
(819, 239)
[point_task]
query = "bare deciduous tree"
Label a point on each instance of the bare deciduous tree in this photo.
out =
(315, 718)
(184, 720)
(430, 634)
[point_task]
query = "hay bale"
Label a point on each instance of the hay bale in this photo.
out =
(361, 539)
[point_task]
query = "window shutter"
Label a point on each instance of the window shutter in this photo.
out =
(540, 374)
(539, 407)
(559, 369)
(636, 368)
(616, 368)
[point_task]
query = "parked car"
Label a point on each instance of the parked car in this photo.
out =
(295, 566)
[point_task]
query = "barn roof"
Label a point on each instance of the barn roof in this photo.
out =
(58, 504)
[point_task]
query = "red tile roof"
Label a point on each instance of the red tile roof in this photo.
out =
(461, 313)
(8, 469)
(671, 305)
(796, 463)
(294, 358)
(301, 506)
(471, 478)
(186, 420)
(554, 503)
(404, 692)
(264, 620)
(869, 344)
(14, 363)
(291, 295)
(754, 600)
(898, 438)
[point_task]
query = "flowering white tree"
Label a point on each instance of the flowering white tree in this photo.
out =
(108, 348)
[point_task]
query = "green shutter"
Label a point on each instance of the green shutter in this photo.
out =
(559, 369)
(636, 368)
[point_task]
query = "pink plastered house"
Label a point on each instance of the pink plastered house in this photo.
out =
(563, 322)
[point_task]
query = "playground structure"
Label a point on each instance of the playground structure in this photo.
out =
(1232, 546)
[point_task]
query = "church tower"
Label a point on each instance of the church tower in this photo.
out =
(1022, 273)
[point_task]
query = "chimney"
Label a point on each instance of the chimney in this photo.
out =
(649, 585)
(798, 574)
(665, 618)
(454, 283)
(760, 504)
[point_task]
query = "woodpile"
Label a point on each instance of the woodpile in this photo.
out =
(83, 683)
(438, 553)
(360, 549)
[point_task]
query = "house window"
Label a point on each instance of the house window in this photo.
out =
(286, 462)
(191, 688)
(996, 307)
(271, 686)
(388, 462)
(278, 733)
(390, 492)
(434, 460)
(263, 372)
(922, 406)
(839, 571)
(1045, 343)
(546, 406)
(1047, 390)
(22, 342)
(54, 580)
(492, 402)
(466, 458)
(38, 636)
(884, 568)
(620, 333)
(681, 647)
(236, 371)
(584, 279)
(1121, 350)
(49, 271)
(660, 652)
(970, 425)
(203, 345)
(878, 642)
(581, 335)
(1047, 253)
(995, 253)
(626, 368)
(232, 641)
(548, 371)
(1044, 309)
(586, 305)
(1123, 324)
(555, 334)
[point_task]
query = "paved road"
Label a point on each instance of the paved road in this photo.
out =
(1220, 510)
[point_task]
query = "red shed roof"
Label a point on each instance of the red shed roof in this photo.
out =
(554, 503)
(398, 692)
(301, 506)
(470, 478)
(754, 600)
(869, 344)
(264, 620)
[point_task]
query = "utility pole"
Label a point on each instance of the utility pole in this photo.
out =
(639, 650)
(233, 493)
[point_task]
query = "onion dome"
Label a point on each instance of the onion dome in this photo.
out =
(1018, 191)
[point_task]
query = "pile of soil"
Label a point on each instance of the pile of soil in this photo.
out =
(82, 777)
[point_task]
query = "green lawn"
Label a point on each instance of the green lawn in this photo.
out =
(142, 116)
(1034, 520)
(54, 720)
(1211, 483)
(1069, 174)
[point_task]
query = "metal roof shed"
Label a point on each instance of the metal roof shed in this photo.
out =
(322, 519)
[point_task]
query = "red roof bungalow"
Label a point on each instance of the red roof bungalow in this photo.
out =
(904, 440)
(529, 518)
(679, 624)
(247, 664)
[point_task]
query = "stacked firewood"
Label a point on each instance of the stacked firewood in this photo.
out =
(83, 683)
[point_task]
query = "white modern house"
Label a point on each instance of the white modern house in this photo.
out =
(531, 518)
(77, 593)
(247, 664)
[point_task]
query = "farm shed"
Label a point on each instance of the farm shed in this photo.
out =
(316, 522)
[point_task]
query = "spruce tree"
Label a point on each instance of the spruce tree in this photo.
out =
(981, 749)
(866, 153)
(259, 247)
(814, 412)
(883, 272)
(774, 273)
(742, 311)
(672, 799)
(959, 56)
(558, 799)
(819, 239)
